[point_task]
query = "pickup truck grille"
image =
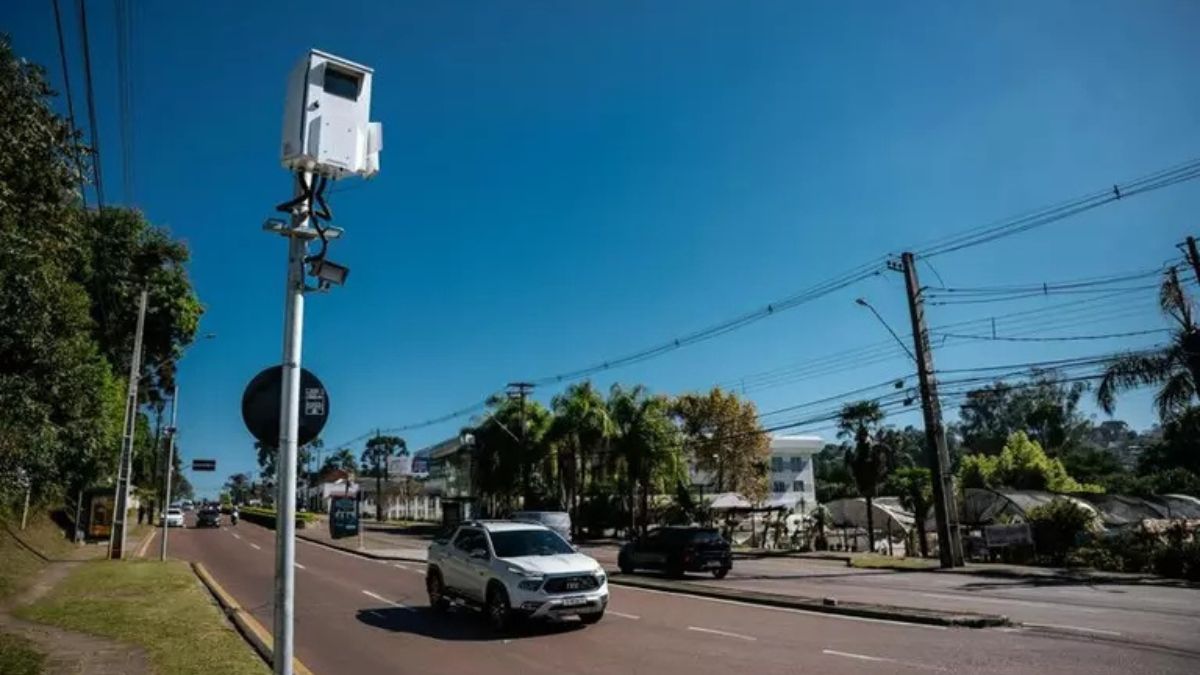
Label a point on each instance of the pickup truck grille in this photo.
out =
(572, 584)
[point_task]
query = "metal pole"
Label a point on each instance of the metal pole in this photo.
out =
(25, 511)
(289, 426)
(162, 553)
(116, 539)
(949, 547)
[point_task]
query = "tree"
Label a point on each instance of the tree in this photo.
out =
(833, 480)
(914, 485)
(867, 459)
(267, 457)
(1046, 408)
(1174, 369)
(505, 464)
(376, 455)
(1021, 465)
(238, 487)
(647, 441)
(725, 439)
(342, 460)
(580, 426)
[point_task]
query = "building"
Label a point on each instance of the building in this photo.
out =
(450, 467)
(791, 471)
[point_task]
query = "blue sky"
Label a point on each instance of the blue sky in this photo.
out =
(563, 183)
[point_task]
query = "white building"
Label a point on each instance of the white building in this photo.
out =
(792, 468)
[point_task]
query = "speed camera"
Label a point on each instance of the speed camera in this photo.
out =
(326, 127)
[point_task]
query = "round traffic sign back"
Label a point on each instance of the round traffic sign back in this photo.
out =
(260, 406)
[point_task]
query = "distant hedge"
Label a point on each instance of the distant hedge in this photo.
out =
(266, 517)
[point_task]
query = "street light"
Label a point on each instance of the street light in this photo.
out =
(864, 303)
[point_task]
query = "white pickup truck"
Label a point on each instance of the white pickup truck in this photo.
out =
(514, 570)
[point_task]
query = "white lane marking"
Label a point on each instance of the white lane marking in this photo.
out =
(879, 659)
(408, 569)
(377, 615)
(299, 566)
(1081, 629)
(624, 615)
(721, 632)
(1034, 603)
(393, 603)
(236, 535)
(255, 546)
(787, 609)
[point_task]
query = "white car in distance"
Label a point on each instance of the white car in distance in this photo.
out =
(514, 570)
(174, 517)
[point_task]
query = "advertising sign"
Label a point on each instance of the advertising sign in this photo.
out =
(343, 517)
(1007, 535)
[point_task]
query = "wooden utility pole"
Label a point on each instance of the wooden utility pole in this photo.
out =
(1193, 256)
(945, 509)
(116, 539)
(520, 390)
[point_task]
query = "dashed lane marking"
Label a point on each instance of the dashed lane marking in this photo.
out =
(393, 603)
(1081, 629)
(299, 566)
(623, 614)
(879, 659)
(236, 535)
(722, 632)
(254, 546)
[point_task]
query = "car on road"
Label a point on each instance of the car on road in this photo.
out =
(209, 516)
(677, 550)
(514, 570)
(559, 521)
(187, 505)
(174, 517)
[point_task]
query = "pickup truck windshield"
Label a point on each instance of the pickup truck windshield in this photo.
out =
(517, 543)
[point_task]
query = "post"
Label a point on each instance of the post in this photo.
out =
(949, 545)
(25, 511)
(1193, 256)
(78, 534)
(520, 390)
(116, 538)
(162, 552)
(289, 427)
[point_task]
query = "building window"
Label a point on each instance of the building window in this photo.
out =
(797, 464)
(778, 486)
(777, 464)
(798, 486)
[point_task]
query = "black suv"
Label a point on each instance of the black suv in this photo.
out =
(209, 516)
(676, 550)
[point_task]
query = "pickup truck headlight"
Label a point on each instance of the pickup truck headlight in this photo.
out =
(599, 573)
(530, 584)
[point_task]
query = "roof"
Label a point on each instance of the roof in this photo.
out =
(812, 444)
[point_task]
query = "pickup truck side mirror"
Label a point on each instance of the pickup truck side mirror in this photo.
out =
(479, 554)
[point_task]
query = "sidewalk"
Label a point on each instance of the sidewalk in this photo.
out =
(70, 651)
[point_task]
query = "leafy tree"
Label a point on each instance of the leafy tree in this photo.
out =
(914, 485)
(725, 439)
(376, 455)
(268, 455)
(1179, 447)
(238, 488)
(1022, 465)
(867, 459)
(580, 427)
(1057, 527)
(505, 464)
(646, 439)
(342, 460)
(833, 479)
(1174, 369)
(1047, 409)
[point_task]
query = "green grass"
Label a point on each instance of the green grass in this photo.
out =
(874, 561)
(18, 656)
(161, 607)
(18, 565)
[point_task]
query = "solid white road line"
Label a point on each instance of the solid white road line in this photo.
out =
(623, 614)
(879, 659)
(393, 603)
(1033, 603)
(255, 546)
(784, 609)
(1081, 629)
(721, 632)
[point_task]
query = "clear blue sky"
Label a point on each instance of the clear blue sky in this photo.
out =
(566, 182)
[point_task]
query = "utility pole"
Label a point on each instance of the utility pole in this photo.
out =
(520, 390)
(162, 553)
(945, 509)
(1193, 256)
(116, 538)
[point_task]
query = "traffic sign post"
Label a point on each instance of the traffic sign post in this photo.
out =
(261, 409)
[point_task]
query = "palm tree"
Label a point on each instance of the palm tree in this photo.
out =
(868, 458)
(646, 440)
(580, 425)
(1174, 368)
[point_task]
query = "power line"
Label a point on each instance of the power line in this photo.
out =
(94, 131)
(1065, 338)
(1039, 294)
(1047, 287)
(66, 74)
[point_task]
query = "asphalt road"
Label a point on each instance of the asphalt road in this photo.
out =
(355, 615)
(1165, 616)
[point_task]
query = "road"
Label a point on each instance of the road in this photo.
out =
(360, 615)
(1164, 616)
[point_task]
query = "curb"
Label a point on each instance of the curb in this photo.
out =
(359, 552)
(247, 625)
(857, 609)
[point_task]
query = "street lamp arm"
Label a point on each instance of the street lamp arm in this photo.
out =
(903, 346)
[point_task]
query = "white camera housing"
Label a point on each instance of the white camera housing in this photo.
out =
(325, 121)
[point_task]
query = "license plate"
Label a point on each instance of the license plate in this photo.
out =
(712, 564)
(574, 602)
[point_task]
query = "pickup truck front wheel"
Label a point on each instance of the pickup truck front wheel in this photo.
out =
(499, 611)
(437, 591)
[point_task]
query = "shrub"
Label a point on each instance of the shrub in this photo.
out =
(1058, 527)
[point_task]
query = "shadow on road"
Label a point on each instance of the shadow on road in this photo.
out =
(457, 625)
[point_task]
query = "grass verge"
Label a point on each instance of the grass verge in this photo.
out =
(18, 565)
(19, 657)
(874, 561)
(159, 606)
